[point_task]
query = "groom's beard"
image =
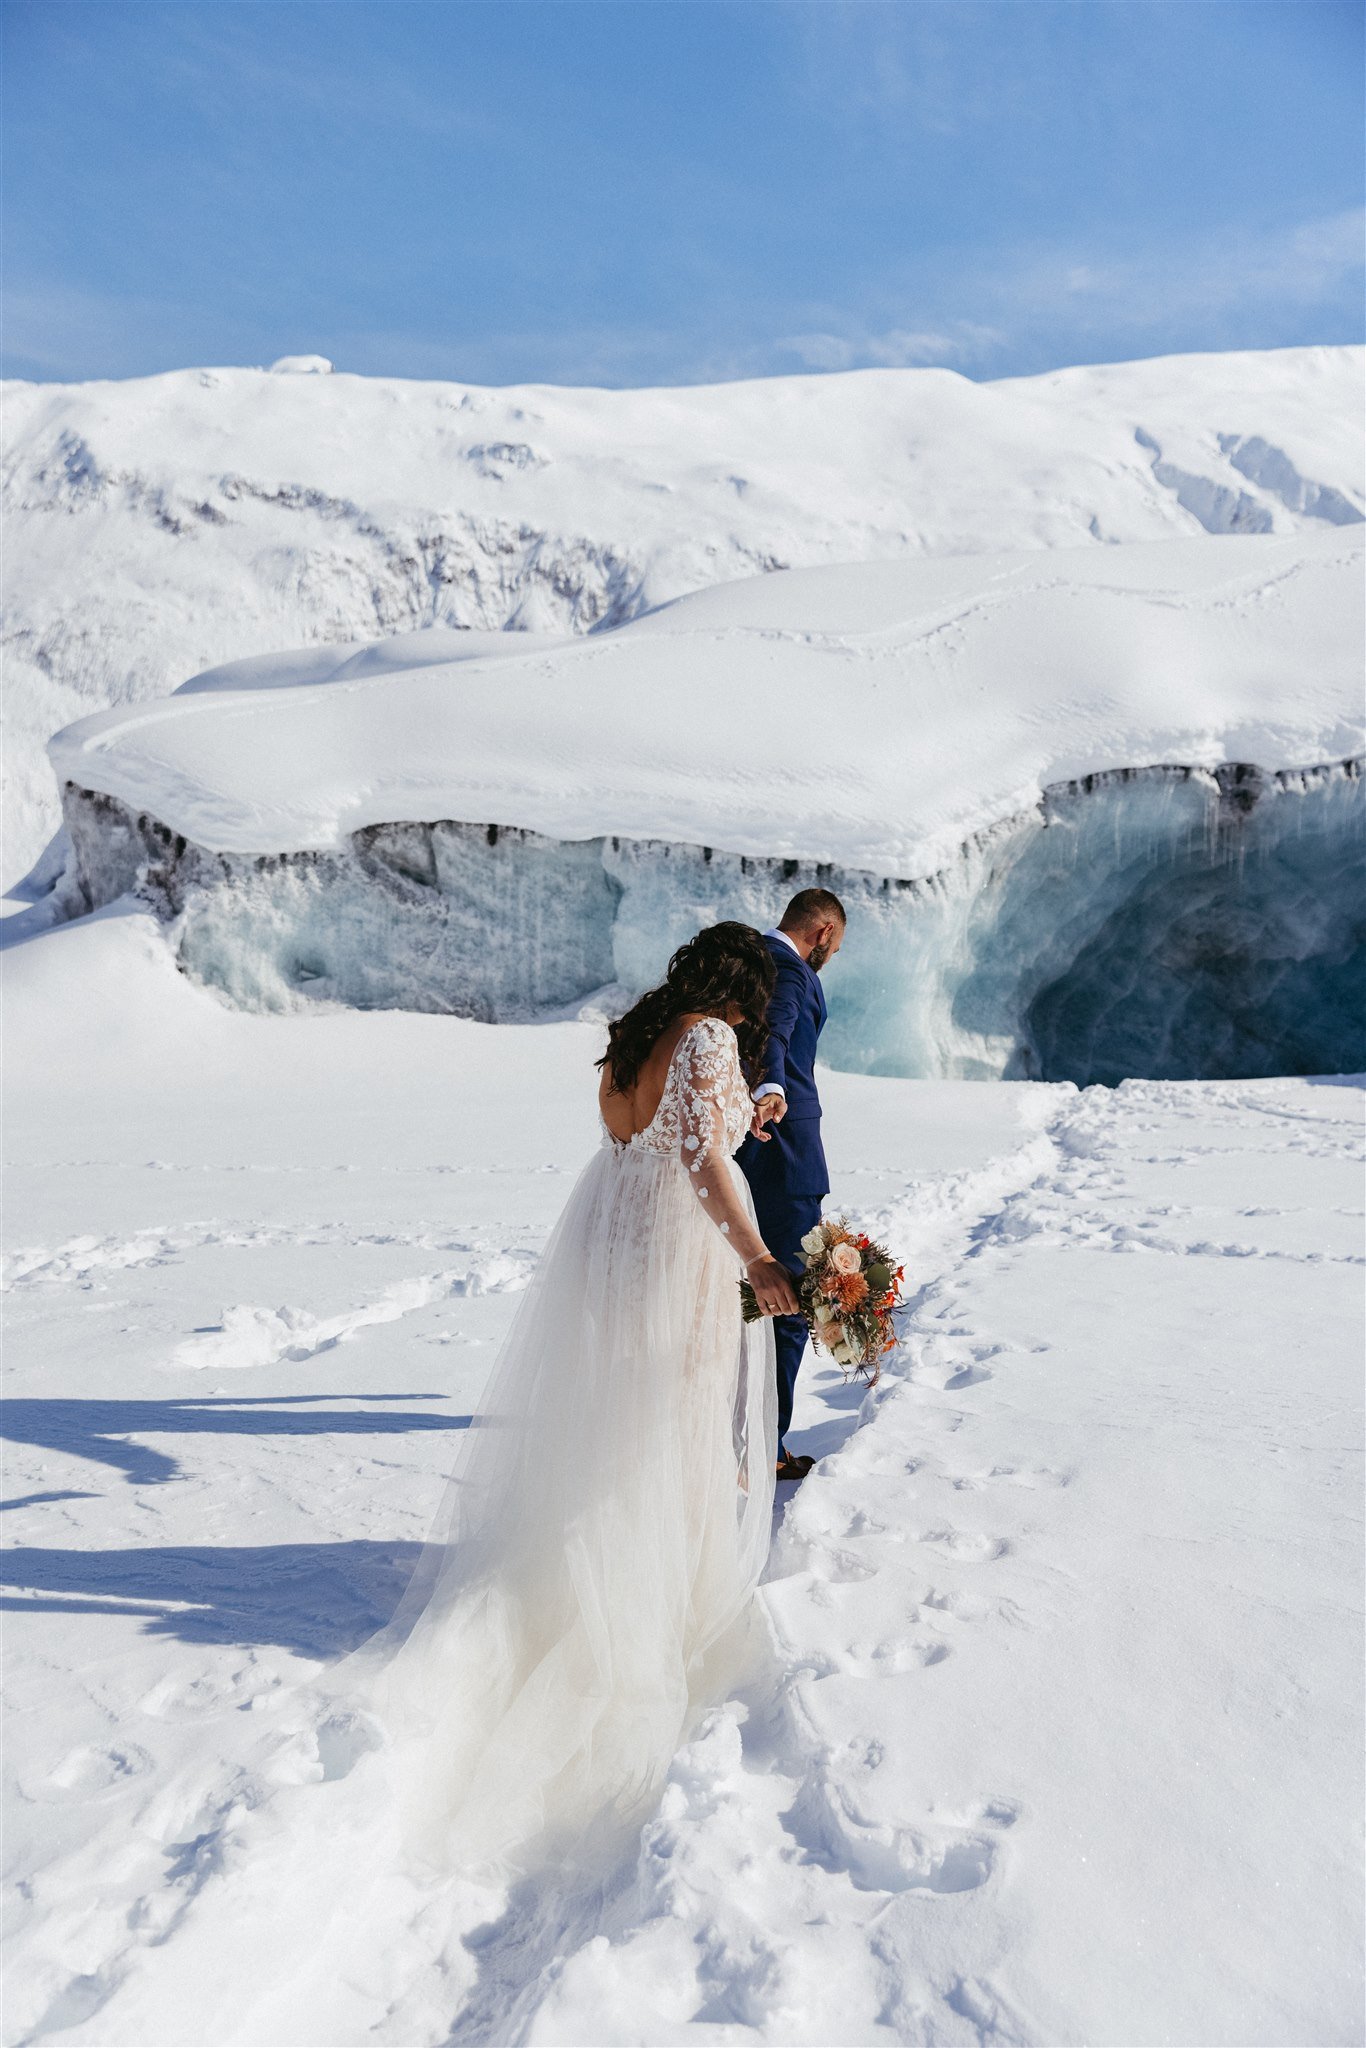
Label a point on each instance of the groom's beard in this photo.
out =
(817, 957)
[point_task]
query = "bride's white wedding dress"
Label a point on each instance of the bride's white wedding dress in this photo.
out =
(587, 1583)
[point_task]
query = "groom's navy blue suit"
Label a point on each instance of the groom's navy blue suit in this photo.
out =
(787, 1176)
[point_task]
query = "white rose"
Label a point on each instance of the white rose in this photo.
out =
(814, 1241)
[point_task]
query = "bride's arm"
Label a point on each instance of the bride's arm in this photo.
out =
(710, 1074)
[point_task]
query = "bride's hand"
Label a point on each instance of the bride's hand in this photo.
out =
(773, 1289)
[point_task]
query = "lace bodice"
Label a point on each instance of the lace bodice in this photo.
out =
(703, 1114)
(706, 1107)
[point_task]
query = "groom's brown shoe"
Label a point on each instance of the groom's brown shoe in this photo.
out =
(794, 1468)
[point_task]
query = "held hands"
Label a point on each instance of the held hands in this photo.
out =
(769, 1108)
(772, 1284)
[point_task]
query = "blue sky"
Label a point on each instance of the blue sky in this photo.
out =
(655, 191)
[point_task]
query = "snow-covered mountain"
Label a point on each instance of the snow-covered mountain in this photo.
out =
(161, 525)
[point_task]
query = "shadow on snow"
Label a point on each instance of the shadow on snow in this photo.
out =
(317, 1599)
(101, 1430)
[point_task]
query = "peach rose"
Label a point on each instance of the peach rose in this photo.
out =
(845, 1259)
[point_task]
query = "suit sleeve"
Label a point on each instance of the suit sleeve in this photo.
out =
(783, 1007)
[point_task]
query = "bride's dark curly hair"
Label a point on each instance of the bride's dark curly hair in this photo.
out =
(726, 963)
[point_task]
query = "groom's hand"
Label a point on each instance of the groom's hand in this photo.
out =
(768, 1109)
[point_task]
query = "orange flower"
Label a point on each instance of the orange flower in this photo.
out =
(849, 1289)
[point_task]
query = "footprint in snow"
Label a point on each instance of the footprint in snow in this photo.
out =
(840, 1567)
(881, 1855)
(326, 1749)
(910, 1654)
(967, 1376)
(958, 1606)
(1038, 1476)
(967, 1546)
(939, 1363)
(178, 1699)
(88, 1770)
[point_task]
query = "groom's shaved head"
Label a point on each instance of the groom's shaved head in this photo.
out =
(811, 907)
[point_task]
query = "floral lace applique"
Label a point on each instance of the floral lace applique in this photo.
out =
(705, 1108)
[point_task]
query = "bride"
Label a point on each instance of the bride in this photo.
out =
(586, 1584)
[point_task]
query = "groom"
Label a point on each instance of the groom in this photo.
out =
(782, 1158)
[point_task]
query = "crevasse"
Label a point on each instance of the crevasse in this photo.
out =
(1159, 922)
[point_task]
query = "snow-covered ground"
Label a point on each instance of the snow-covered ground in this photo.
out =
(1059, 1737)
(1055, 1731)
(158, 525)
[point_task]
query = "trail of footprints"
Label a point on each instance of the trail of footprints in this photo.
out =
(839, 1818)
(872, 1547)
(79, 1260)
(834, 1555)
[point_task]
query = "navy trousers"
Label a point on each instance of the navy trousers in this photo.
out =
(783, 1223)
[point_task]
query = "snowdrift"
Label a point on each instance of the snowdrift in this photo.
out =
(1096, 813)
(158, 525)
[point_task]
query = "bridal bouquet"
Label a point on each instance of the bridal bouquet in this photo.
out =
(847, 1295)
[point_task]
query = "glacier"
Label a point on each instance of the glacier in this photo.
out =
(1164, 923)
(1096, 813)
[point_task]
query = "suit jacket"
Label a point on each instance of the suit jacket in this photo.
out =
(792, 1163)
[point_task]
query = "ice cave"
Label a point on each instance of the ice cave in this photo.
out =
(1159, 922)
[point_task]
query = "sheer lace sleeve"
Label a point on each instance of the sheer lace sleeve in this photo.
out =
(713, 1105)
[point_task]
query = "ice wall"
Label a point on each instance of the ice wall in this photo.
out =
(1162, 922)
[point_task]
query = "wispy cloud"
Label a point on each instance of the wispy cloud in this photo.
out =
(923, 70)
(1221, 287)
(1297, 269)
(898, 348)
(1233, 289)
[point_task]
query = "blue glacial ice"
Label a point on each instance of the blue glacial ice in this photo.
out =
(1163, 922)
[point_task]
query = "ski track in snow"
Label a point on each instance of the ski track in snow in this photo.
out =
(788, 1889)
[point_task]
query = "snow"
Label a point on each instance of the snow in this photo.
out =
(1118, 775)
(1056, 1734)
(1060, 1736)
(954, 692)
(160, 525)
